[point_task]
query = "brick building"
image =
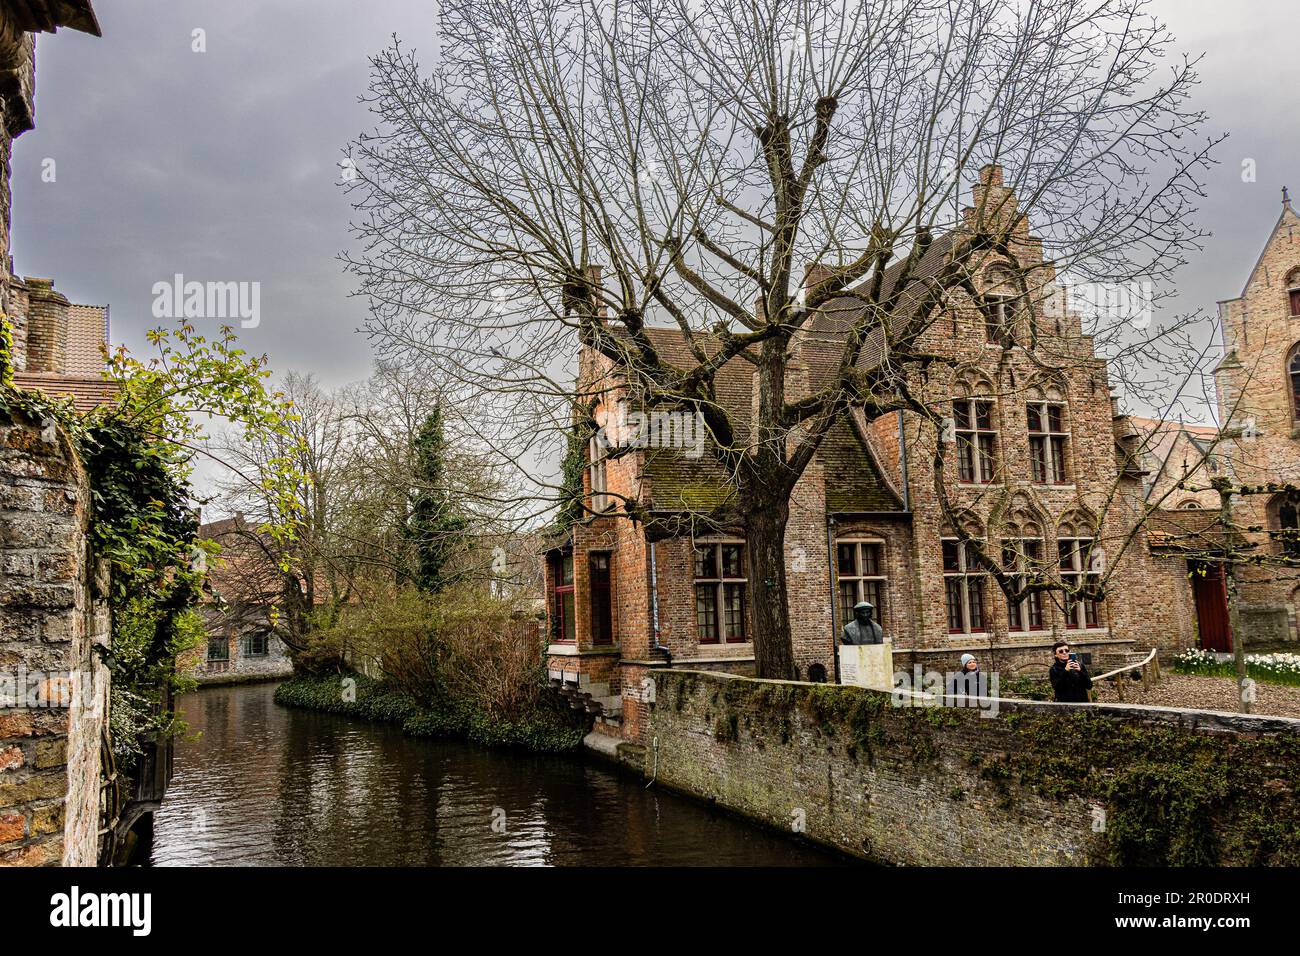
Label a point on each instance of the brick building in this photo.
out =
(243, 589)
(1258, 387)
(1039, 466)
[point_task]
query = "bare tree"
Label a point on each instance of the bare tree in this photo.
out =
(701, 154)
(354, 447)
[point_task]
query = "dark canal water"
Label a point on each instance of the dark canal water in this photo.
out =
(266, 785)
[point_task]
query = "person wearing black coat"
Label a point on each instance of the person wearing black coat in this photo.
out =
(1070, 679)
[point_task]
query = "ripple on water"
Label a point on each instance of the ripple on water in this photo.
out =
(265, 785)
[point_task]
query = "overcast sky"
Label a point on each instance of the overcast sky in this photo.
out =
(222, 165)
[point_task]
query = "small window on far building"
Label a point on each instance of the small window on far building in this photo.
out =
(218, 649)
(1293, 292)
(257, 645)
(1293, 371)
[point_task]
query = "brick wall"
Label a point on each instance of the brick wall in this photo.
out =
(1259, 337)
(47, 327)
(50, 625)
(923, 786)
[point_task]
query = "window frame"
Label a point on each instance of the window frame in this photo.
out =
(593, 584)
(1293, 380)
(975, 436)
(965, 579)
(1287, 547)
(598, 476)
(721, 585)
(861, 582)
(224, 643)
(247, 644)
(1000, 314)
(1053, 442)
(1021, 615)
(561, 590)
(1075, 610)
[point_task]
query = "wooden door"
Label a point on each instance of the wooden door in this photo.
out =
(1211, 606)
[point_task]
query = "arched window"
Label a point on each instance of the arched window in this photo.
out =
(1005, 305)
(1293, 291)
(1285, 515)
(1022, 555)
(1293, 373)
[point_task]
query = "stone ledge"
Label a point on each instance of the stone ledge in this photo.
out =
(1203, 720)
(569, 650)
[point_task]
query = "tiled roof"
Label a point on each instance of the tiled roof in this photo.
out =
(87, 393)
(854, 482)
(1157, 424)
(242, 573)
(87, 334)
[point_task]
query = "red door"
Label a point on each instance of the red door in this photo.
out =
(1211, 606)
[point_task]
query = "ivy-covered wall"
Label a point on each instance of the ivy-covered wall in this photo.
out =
(1037, 784)
(53, 684)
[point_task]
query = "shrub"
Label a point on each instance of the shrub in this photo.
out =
(546, 726)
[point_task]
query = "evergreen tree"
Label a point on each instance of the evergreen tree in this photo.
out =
(435, 526)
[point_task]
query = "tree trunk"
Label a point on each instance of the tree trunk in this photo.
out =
(1230, 590)
(770, 610)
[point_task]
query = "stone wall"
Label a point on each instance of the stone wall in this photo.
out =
(51, 629)
(239, 666)
(1036, 784)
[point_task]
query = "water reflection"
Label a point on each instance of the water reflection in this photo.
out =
(265, 785)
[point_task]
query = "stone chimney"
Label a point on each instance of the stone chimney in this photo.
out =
(815, 273)
(47, 327)
(993, 202)
(596, 278)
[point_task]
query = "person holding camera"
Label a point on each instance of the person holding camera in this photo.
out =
(1070, 680)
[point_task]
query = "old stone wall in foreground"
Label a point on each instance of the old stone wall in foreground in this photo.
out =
(1035, 784)
(53, 685)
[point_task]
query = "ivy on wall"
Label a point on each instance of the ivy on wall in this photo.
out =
(143, 520)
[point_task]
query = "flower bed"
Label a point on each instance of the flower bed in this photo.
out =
(1273, 668)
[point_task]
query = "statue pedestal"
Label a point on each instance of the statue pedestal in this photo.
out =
(868, 665)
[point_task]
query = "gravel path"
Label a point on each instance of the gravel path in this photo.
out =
(1206, 693)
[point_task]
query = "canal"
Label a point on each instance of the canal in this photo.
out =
(265, 785)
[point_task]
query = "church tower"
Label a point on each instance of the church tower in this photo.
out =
(1258, 385)
(1258, 380)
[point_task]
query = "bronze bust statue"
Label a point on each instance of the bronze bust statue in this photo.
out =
(863, 629)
